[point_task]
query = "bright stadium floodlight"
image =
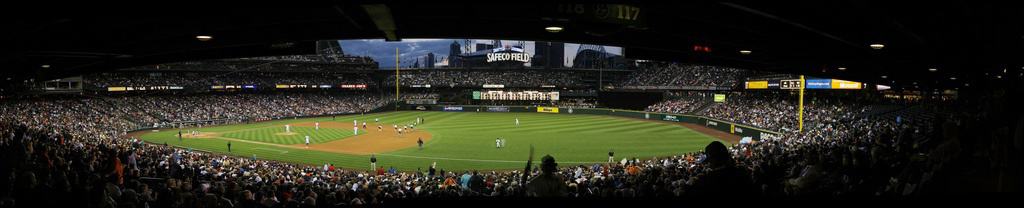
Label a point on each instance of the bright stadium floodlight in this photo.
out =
(45, 66)
(554, 29)
(933, 69)
(842, 68)
(877, 46)
(203, 37)
(745, 52)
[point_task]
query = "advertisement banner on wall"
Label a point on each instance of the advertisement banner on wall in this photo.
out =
(712, 123)
(452, 108)
(819, 84)
(757, 85)
(671, 118)
(497, 109)
(843, 84)
(719, 98)
(547, 109)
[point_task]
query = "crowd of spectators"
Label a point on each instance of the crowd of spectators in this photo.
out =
(208, 79)
(296, 63)
(577, 103)
(63, 152)
(319, 58)
(684, 75)
(683, 102)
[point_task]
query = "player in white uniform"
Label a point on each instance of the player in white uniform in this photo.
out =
(364, 125)
(307, 141)
(517, 121)
(497, 143)
(317, 125)
(355, 130)
(287, 128)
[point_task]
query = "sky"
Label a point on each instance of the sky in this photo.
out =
(411, 49)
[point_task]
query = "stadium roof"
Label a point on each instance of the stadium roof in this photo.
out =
(961, 39)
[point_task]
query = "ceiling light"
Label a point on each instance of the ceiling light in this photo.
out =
(45, 66)
(877, 46)
(885, 77)
(952, 78)
(933, 69)
(999, 76)
(203, 37)
(745, 52)
(553, 29)
(842, 68)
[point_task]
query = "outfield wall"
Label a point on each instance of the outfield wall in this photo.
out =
(720, 125)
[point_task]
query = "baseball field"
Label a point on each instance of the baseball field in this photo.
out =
(455, 140)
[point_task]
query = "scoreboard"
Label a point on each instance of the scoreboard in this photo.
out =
(790, 84)
(510, 95)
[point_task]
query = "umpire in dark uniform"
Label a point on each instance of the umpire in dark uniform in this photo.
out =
(373, 162)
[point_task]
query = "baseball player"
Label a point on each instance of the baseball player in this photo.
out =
(355, 123)
(307, 141)
(317, 125)
(517, 121)
(420, 142)
(287, 128)
(376, 120)
(379, 128)
(364, 125)
(497, 143)
(355, 130)
(611, 156)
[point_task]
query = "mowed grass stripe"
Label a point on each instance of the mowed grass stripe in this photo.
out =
(533, 127)
(586, 127)
(637, 127)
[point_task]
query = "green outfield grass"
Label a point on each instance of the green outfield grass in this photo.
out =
(462, 140)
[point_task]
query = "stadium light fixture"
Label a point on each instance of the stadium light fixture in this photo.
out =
(933, 69)
(877, 46)
(745, 52)
(842, 68)
(45, 66)
(952, 78)
(203, 37)
(554, 29)
(885, 77)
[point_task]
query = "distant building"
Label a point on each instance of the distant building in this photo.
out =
(548, 55)
(454, 54)
(430, 61)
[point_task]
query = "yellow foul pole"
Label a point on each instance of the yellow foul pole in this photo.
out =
(801, 108)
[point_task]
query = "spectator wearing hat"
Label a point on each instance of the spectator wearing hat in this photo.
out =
(547, 184)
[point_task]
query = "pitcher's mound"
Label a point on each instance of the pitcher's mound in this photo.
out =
(285, 133)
